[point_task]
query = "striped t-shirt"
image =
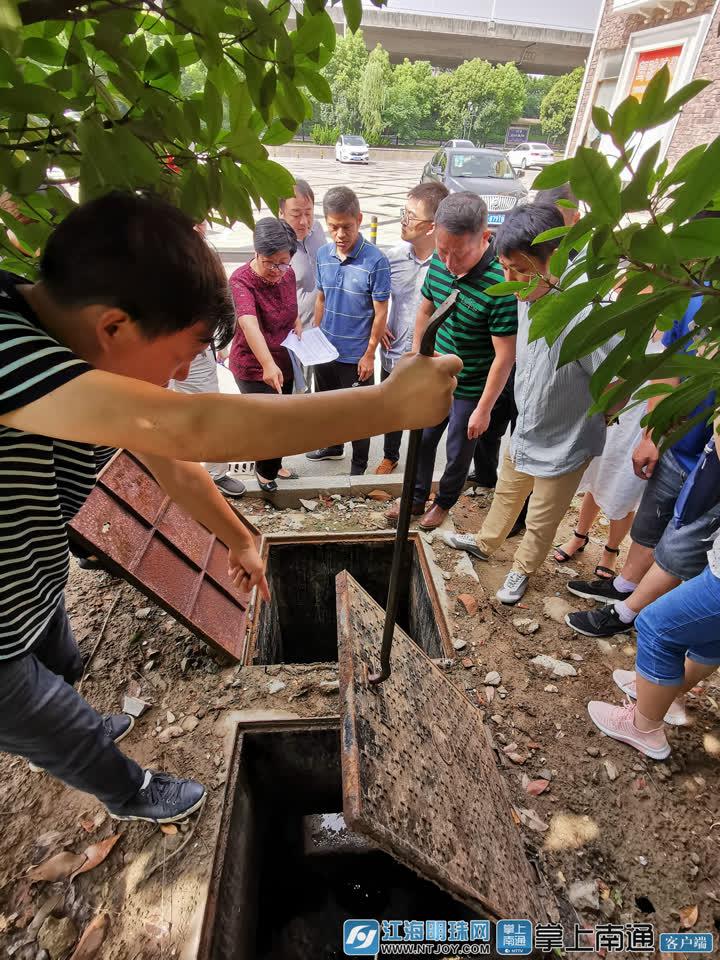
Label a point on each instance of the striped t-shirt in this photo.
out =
(43, 481)
(476, 319)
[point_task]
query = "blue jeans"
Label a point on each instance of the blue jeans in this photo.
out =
(460, 452)
(683, 623)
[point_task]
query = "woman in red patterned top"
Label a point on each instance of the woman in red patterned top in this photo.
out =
(265, 298)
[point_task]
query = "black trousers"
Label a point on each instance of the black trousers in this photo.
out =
(338, 376)
(43, 718)
(391, 448)
(487, 451)
(268, 469)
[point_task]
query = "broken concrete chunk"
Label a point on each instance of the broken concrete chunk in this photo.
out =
(189, 724)
(459, 644)
(583, 895)
(142, 613)
(134, 706)
(525, 625)
(611, 770)
(275, 686)
(464, 568)
(170, 733)
(57, 936)
(309, 505)
(556, 608)
(558, 668)
(493, 679)
(329, 687)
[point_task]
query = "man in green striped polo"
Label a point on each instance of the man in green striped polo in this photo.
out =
(481, 331)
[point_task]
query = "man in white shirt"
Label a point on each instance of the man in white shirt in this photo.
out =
(409, 262)
(299, 212)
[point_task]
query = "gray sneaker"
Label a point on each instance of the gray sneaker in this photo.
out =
(513, 590)
(466, 542)
(230, 486)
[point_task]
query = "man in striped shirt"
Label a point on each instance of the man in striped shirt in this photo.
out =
(481, 331)
(129, 294)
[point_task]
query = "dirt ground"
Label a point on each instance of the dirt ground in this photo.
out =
(622, 837)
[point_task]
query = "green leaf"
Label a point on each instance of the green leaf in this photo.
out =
(44, 51)
(554, 175)
(315, 83)
(267, 91)
(32, 174)
(353, 13)
(636, 193)
(552, 313)
(140, 162)
(698, 190)
(624, 121)
(652, 245)
(272, 180)
(552, 234)
(592, 180)
(697, 240)
(505, 288)
(679, 99)
(10, 25)
(161, 62)
(213, 112)
(601, 119)
(9, 72)
(654, 99)
(316, 30)
(278, 133)
(31, 98)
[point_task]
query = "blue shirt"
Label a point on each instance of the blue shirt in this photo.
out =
(350, 286)
(689, 447)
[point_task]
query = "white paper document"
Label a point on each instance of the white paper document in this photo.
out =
(314, 347)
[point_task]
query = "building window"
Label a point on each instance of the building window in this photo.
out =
(608, 73)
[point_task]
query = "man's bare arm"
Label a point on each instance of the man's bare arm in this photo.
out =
(319, 308)
(422, 319)
(366, 364)
(103, 408)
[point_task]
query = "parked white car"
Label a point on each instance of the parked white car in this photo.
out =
(352, 149)
(531, 155)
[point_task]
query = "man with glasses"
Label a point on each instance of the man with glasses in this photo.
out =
(353, 279)
(409, 262)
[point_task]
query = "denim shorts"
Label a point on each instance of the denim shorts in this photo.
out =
(680, 552)
(683, 623)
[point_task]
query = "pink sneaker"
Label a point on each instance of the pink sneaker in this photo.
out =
(676, 715)
(619, 723)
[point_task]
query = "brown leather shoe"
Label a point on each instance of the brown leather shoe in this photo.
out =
(385, 466)
(417, 510)
(433, 518)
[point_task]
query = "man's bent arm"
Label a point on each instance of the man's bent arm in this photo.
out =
(104, 408)
(499, 372)
(425, 311)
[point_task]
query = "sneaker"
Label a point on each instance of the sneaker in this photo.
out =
(601, 590)
(230, 486)
(162, 799)
(385, 466)
(619, 723)
(117, 726)
(625, 680)
(513, 590)
(604, 622)
(327, 453)
(466, 542)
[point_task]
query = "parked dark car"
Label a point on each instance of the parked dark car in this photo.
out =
(488, 173)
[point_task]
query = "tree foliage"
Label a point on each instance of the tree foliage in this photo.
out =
(535, 90)
(412, 98)
(343, 74)
(558, 105)
(497, 96)
(637, 236)
(101, 95)
(372, 95)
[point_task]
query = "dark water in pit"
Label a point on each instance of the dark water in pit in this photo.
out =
(299, 625)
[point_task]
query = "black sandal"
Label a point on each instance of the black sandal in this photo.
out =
(267, 486)
(567, 556)
(605, 573)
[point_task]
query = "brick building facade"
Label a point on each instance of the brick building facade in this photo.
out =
(633, 39)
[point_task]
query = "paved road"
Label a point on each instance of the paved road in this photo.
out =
(382, 187)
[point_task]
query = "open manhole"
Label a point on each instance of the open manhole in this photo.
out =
(287, 874)
(299, 624)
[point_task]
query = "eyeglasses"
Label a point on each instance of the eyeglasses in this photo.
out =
(406, 217)
(271, 265)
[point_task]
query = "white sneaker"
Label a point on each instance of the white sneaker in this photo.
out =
(466, 542)
(676, 715)
(513, 590)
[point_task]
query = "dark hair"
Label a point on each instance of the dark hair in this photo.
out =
(302, 189)
(272, 235)
(430, 195)
(140, 254)
(523, 224)
(341, 200)
(553, 194)
(462, 212)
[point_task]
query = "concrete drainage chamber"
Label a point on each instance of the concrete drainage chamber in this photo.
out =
(287, 871)
(299, 624)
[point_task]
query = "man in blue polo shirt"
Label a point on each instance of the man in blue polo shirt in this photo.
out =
(353, 282)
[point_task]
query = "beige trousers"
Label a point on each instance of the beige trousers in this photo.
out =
(550, 498)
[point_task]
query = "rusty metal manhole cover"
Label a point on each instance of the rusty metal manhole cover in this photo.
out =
(419, 774)
(133, 526)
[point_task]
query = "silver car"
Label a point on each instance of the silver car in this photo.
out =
(488, 173)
